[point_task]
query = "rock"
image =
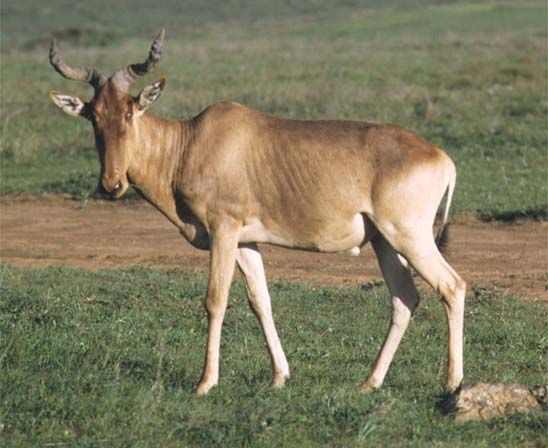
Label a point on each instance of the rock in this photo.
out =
(483, 401)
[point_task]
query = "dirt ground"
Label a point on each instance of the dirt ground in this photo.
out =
(53, 230)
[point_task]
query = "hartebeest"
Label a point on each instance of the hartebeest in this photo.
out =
(232, 177)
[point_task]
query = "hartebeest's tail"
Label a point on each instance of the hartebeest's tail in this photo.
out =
(442, 238)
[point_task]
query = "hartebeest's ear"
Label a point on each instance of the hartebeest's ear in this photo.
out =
(150, 94)
(72, 105)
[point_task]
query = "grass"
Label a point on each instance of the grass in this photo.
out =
(470, 77)
(109, 359)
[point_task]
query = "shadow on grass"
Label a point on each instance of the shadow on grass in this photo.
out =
(539, 213)
(446, 402)
(85, 185)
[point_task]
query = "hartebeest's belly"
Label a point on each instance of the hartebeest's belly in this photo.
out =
(333, 236)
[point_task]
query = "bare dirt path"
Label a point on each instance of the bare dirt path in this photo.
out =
(98, 234)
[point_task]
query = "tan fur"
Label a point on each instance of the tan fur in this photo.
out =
(232, 177)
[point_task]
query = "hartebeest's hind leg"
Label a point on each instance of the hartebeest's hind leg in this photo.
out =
(223, 246)
(417, 245)
(404, 301)
(251, 266)
(443, 278)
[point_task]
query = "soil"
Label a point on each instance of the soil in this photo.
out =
(55, 230)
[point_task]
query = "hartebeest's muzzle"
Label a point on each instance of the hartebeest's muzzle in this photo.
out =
(113, 187)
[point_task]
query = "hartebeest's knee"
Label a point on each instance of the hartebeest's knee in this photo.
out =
(452, 290)
(402, 312)
(213, 306)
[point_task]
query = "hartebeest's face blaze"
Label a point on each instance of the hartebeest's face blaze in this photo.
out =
(114, 113)
(115, 117)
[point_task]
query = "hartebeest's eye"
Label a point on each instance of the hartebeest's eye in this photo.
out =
(129, 115)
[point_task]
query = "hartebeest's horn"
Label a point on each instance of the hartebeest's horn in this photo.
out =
(91, 75)
(125, 77)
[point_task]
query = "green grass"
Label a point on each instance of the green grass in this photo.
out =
(470, 77)
(110, 358)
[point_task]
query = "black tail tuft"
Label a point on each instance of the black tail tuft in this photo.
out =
(442, 238)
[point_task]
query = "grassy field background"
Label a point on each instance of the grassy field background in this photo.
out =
(109, 358)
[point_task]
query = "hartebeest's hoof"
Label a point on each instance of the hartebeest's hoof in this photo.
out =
(453, 386)
(279, 379)
(203, 388)
(367, 387)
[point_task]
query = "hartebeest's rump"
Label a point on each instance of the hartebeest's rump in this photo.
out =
(233, 177)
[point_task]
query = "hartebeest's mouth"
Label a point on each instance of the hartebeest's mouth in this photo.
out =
(118, 190)
(113, 189)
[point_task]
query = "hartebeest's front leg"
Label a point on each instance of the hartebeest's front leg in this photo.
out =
(223, 245)
(251, 266)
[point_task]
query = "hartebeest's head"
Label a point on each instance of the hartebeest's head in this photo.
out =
(113, 112)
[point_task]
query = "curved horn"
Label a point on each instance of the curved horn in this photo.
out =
(125, 77)
(91, 75)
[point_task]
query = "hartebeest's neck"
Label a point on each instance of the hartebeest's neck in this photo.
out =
(157, 158)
